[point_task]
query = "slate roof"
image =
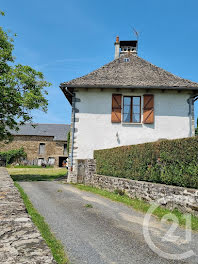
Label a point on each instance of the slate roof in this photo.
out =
(137, 72)
(58, 131)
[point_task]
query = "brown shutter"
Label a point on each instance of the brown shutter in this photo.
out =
(116, 108)
(148, 115)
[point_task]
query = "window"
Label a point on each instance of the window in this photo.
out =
(65, 149)
(41, 148)
(51, 161)
(132, 109)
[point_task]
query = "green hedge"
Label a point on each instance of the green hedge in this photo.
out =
(14, 155)
(173, 162)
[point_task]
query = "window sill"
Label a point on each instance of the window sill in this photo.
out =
(129, 123)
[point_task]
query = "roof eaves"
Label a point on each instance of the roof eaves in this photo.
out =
(66, 93)
(130, 87)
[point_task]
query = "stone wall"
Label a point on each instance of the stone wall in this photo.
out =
(72, 174)
(30, 144)
(20, 240)
(184, 199)
(83, 169)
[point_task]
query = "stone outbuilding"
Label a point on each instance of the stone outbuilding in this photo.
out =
(43, 143)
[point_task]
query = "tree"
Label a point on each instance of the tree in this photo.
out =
(196, 129)
(22, 89)
(68, 142)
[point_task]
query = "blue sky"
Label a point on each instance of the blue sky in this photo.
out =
(68, 38)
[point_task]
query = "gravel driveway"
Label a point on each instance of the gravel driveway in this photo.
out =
(108, 233)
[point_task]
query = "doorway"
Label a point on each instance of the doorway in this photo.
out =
(62, 161)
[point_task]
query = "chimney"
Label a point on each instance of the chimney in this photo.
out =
(128, 47)
(117, 48)
(125, 47)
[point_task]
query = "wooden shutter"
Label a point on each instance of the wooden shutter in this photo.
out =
(148, 114)
(116, 108)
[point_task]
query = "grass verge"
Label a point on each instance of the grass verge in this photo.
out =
(36, 174)
(54, 244)
(140, 205)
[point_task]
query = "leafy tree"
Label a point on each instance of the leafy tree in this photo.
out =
(22, 89)
(196, 129)
(13, 155)
(68, 142)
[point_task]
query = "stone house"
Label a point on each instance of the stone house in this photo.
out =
(44, 143)
(127, 101)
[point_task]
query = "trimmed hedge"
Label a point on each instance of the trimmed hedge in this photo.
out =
(173, 162)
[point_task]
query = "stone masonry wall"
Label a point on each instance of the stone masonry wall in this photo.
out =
(20, 240)
(72, 170)
(184, 199)
(31, 147)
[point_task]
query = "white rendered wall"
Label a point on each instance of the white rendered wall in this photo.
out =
(95, 130)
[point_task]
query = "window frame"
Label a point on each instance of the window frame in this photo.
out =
(44, 145)
(65, 149)
(131, 110)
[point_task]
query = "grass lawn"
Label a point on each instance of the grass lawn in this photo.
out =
(140, 205)
(36, 174)
(54, 244)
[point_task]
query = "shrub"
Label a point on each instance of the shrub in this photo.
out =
(173, 162)
(68, 142)
(13, 155)
(196, 129)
